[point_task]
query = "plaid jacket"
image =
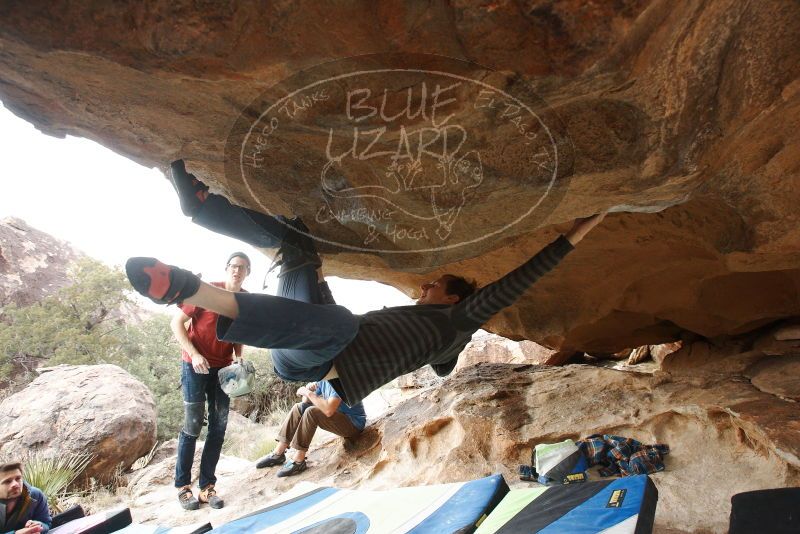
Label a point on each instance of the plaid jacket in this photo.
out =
(620, 455)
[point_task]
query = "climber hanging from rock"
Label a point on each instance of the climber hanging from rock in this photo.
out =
(312, 338)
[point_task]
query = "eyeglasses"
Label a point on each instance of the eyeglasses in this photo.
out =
(234, 267)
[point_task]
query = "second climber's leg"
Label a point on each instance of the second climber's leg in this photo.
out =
(217, 214)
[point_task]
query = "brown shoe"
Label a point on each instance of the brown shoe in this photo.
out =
(187, 500)
(209, 495)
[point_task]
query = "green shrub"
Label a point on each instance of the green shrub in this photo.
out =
(82, 324)
(55, 475)
(151, 354)
(78, 324)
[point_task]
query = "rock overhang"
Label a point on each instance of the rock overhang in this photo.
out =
(680, 122)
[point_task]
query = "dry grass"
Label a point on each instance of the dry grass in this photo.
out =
(254, 440)
(278, 412)
(100, 498)
(145, 460)
(245, 439)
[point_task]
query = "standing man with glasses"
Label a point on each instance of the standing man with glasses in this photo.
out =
(203, 356)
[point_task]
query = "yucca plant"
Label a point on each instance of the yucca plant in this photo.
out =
(54, 475)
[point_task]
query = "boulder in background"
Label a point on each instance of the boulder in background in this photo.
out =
(74, 409)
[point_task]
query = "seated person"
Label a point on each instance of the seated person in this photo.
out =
(320, 407)
(23, 508)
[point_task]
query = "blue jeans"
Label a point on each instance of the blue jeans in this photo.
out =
(197, 389)
(303, 338)
(257, 229)
(302, 327)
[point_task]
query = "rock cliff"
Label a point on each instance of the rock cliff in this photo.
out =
(33, 264)
(683, 121)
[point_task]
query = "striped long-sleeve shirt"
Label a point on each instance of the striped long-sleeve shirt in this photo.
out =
(395, 341)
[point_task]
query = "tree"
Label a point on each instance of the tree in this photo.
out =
(151, 354)
(78, 324)
(82, 325)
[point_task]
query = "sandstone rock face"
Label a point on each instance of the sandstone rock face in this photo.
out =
(33, 264)
(489, 348)
(660, 352)
(96, 409)
(788, 333)
(726, 435)
(684, 119)
(779, 375)
(484, 348)
(639, 354)
(657, 352)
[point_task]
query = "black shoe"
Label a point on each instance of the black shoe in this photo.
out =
(292, 468)
(163, 284)
(191, 191)
(271, 460)
(297, 250)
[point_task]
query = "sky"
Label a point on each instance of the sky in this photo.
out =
(112, 208)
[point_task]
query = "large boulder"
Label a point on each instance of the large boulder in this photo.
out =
(74, 409)
(685, 119)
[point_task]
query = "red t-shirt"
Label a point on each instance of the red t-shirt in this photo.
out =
(203, 335)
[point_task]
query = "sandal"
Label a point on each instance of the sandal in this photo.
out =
(187, 500)
(163, 284)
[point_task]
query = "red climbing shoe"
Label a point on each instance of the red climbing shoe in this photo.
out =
(191, 191)
(163, 284)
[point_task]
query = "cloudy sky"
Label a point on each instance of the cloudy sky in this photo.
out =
(112, 208)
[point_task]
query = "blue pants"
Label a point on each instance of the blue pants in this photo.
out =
(197, 389)
(263, 231)
(302, 326)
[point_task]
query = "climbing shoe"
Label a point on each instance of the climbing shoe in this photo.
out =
(292, 468)
(163, 284)
(297, 250)
(271, 460)
(187, 500)
(209, 495)
(191, 191)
